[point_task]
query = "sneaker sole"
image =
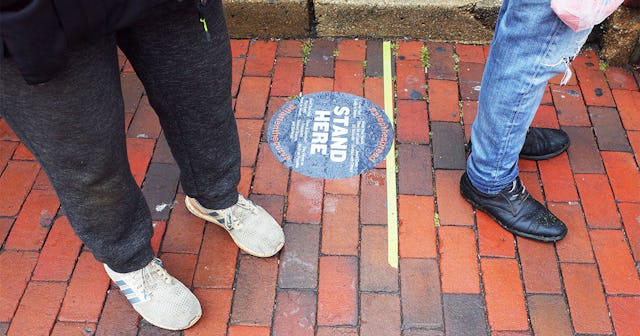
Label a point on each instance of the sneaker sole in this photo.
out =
(192, 208)
(516, 232)
(159, 325)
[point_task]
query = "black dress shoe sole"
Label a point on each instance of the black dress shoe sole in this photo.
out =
(545, 239)
(546, 156)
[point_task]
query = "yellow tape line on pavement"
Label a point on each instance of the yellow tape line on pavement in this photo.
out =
(392, 197)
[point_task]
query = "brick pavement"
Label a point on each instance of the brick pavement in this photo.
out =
(461, 275)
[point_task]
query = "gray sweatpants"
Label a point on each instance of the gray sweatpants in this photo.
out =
(74, 125)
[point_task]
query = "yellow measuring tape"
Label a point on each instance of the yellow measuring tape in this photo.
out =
(392, 197)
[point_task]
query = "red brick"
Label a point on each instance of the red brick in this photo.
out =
(352, 50)
(260, 58)
(159, 228)
(443, 100)
(180, 265)
(23, 154)
(59, 254)
(132, 91)
(15, 183)
(273, 204)
(139, 152)
(421, 296)
(337, 331)
(458, 260)
(239, 48)
(5, 226)
(557, 179)
(295, 313)
(576, 246)
(558, 78)
(586, 299)
(634, 139)
(470, 53)
(145, 122)
(287, 77)
(595, 88)
(584, 154)
(271, 175)
(415, 175)
(470, 80)
(317, 84)
(216, 305)
(628, 105)
(539, 267)
(249, 132)
(340, 225)
(441, 62)
(380, 314)
(417, 231)
(289, 48)
(238, 330)
(15, 271)
(549, 315)
(625, 312)
(570, 106)
(469, 113)
(597, 201)
(299, 256)
(503, 291)
(493, 240)
(411, 82)
(184, 230)
(547, 99)
(320, 62)
(373, 199)
(376, 275)
(86, 292)
(409, 50)
(617, 267)
(37, 311)
(305, 199)
(244, 186)
(252, 97)
(412, 121)
(32, 225)
(255, 291)
(608, 129)
(620, 79)
(453, 209)
(545, 117)
(338, 291)
(343, 186)
(118, 316)
(631, 219)
(237, 67)
(348, 77)
(74, 328)
(217, 262)
(623, 175)
(6, 133)
(374, 90)
(7, 148)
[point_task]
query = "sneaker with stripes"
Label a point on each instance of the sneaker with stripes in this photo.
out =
(158, 297)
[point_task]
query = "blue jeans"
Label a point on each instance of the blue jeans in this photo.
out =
(530, 46)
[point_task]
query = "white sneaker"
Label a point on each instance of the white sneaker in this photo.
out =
(158, 297)
(250, 226)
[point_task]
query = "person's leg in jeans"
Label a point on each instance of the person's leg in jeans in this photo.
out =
(187, 75)
(530, 46)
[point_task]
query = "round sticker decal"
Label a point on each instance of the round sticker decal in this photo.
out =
(330, 135)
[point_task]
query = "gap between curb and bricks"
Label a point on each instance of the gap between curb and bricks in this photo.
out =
(465, 21)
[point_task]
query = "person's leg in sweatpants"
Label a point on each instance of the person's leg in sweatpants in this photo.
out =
(186, 72)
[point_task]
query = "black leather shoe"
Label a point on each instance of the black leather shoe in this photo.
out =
(516, 211)
(542, 143)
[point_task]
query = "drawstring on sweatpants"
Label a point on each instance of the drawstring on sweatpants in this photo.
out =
(202, 20)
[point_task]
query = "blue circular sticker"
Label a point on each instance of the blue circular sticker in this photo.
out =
(330, 135)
